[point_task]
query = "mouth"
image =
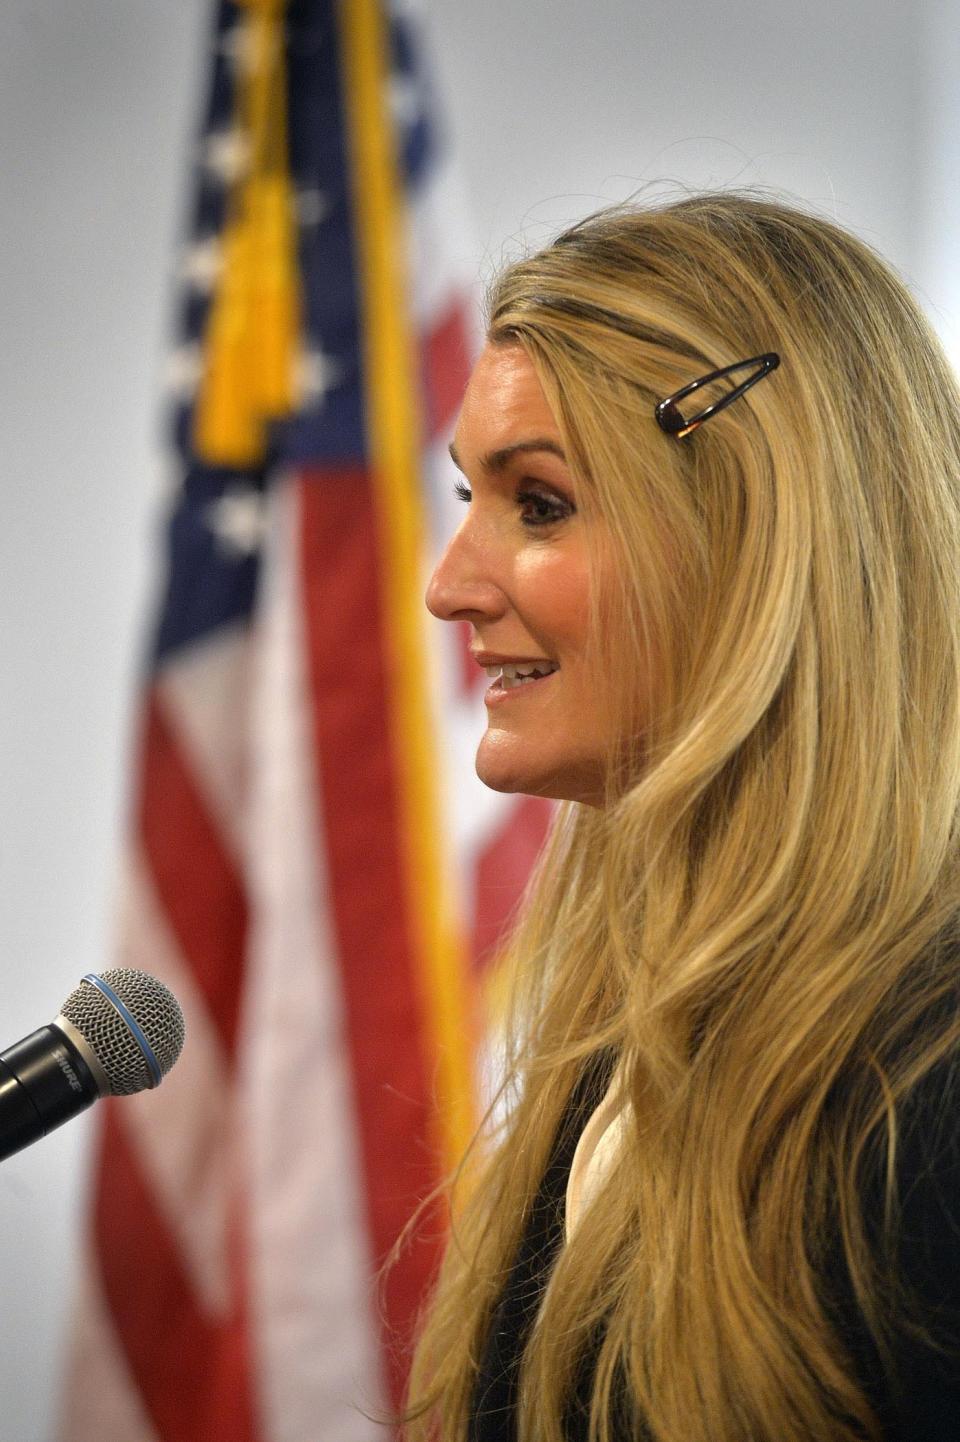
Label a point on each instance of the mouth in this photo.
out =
(510, 681)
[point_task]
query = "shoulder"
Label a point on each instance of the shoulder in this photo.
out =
(924, 1153)
(926, 1170)
(917, 1390)
(925, 1390)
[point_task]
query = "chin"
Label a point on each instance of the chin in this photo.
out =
(500, 780)
(554, 784)
(501, 773)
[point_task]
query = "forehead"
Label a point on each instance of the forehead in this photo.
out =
(504, 401)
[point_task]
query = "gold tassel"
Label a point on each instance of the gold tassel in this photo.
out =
(252, 340)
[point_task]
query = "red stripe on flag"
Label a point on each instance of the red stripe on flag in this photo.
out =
(391, 1071)
(502, 870)
(446, 362)
(198, 886)
(193, 1373)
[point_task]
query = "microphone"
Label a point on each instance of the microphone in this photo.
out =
(116, 1034)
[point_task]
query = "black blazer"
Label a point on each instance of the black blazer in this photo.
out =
(920, 1404)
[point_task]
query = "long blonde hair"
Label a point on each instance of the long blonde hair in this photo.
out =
(761, 921)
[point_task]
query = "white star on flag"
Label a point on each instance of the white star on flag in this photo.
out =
(184, 369)
(317, 374)
(238, 520)
(227, 154)
(236, 46)
(201, 264)
(404, 100)
(313, 207)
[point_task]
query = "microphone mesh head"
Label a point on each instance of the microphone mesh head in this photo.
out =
(153, 1007)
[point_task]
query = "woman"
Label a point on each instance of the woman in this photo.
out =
(735, 609)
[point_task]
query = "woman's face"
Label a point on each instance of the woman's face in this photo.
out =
(517, 571)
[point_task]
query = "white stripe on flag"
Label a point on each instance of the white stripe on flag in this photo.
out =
(313, 1311)
(182, 1132)
(204, 695)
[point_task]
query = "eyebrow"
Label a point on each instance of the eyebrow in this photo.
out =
(497, 460)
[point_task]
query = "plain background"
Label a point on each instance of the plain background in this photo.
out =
(552, 109)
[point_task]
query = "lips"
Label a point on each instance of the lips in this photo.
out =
(490, 659)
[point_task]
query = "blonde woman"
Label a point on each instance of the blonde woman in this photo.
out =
(710, 557)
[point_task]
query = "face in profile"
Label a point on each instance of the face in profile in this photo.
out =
(517, 570)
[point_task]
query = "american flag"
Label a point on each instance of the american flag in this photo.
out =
(312, 868)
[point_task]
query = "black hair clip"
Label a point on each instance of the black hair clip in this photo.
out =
(669, 417)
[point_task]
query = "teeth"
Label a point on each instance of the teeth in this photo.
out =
(541, 668)
(513, 675)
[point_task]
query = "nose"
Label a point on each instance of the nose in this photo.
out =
(464, 587)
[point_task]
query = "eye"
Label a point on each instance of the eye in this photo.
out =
(543, 510)
(538, 509)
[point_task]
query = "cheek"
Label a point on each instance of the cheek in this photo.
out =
(555, 592)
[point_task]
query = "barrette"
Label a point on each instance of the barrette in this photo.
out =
(669, 416)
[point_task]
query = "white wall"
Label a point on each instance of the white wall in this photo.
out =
(96, 103)
(555, 107)
(937, 242)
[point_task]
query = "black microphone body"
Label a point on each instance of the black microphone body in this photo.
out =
(44, 1081)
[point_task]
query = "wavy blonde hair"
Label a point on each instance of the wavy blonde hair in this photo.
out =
(761, 920)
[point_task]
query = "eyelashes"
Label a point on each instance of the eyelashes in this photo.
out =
(546, 509)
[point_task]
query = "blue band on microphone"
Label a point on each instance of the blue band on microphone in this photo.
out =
(127, 1015)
